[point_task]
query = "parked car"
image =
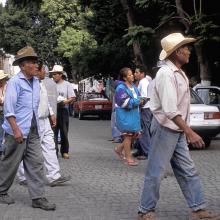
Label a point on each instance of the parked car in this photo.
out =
(92, 104)
(209, 94)
(204, 119)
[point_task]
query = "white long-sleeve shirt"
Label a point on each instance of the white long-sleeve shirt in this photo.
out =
(170, 96)
(143, 89)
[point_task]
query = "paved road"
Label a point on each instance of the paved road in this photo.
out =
(102, 188)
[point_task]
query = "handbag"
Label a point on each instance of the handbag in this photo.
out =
(128, 120)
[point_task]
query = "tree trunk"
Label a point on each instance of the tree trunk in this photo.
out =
(139, 60)
(204, 66)
(201, 58)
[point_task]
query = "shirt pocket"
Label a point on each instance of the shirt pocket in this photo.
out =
(25, 97)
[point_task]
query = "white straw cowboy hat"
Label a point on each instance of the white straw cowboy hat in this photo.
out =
(172, 42)
(57, 69)
(3, 74)
(24, 54)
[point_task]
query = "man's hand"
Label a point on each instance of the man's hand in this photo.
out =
(65, 102)
(142, 102)
(53, 121)
(195, 140)
(18, 136)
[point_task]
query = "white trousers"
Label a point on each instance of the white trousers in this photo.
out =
(51, 163)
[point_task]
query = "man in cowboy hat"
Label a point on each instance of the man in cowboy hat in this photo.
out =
(65, 96)
(21, 131)
(3, 79)
(170, 102)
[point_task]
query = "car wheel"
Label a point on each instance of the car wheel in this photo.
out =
(207, 141)
(80, 115)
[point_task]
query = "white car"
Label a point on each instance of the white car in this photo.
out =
(204, 119)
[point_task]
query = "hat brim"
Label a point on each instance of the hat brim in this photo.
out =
(56, 71)
(164, 54)
(19, 60)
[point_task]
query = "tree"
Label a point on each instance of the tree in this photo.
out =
(196, 18)
(26, 25)
(108, 24)
(205, 31)
(139, 60)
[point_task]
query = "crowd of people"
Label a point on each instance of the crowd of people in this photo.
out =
(155, 112)
(34, 110)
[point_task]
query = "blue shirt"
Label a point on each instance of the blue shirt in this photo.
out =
(21, 100)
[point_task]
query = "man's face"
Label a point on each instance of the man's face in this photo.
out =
(41, 73)
(30, 67)
(183, 54)
(57, 76)
(137, 74)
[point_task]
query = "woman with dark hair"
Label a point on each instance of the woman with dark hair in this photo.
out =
(127, 102)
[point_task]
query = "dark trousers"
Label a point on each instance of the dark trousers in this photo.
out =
(63, 127)
(143, 143)
(31, 153)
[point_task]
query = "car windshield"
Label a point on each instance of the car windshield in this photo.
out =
(194, 98)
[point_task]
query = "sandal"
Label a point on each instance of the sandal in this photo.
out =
(119, 155)
(131, 162)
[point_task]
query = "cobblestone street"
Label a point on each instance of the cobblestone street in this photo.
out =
(103, 188)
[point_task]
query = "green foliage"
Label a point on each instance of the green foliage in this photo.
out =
(164, 4)
(140, 34)
(27, 26)
(91, 37)
(105, 59)
(14, 33)
(205, 30)
(72, 41)
(62, 13)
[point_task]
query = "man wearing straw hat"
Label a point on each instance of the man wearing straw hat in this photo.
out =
(65, 96)
(22, 141)
(170, 102)
(3, 79)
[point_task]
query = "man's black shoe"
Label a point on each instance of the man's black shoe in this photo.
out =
(141, 157)
(23, 183)
(60, 181)
(42, 203)
(6, 199)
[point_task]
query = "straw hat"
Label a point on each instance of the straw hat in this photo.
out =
(23, 54)
(172, 42)
(3, 74)
(57, 69)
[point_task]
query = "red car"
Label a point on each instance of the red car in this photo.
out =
(92, 104)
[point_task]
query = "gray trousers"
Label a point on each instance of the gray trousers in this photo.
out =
(30, 152)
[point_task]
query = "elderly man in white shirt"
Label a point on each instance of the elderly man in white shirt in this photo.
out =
(143, 142)
(47, 119)
(170, 130)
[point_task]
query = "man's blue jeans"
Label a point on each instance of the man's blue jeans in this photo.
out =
(170, 146)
